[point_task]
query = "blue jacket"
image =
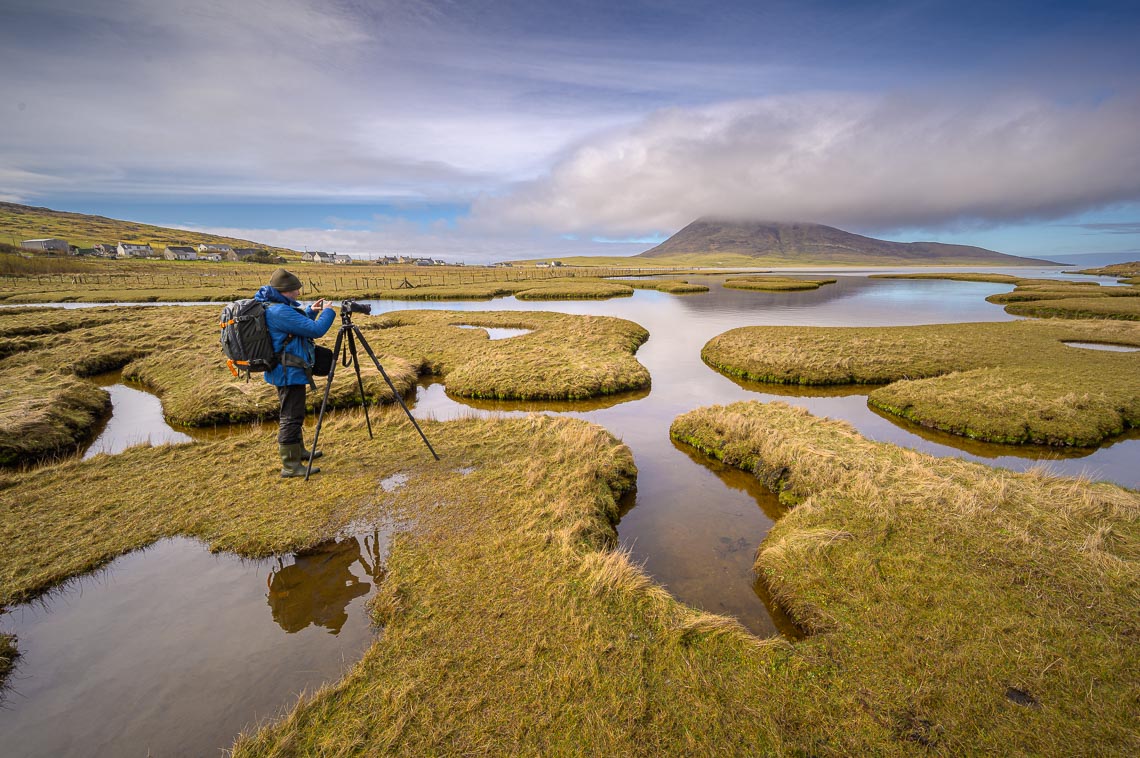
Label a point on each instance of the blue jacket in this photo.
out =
(284, 317)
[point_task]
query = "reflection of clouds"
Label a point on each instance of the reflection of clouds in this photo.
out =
(317, 587)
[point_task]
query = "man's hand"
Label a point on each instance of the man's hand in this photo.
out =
(320, 305)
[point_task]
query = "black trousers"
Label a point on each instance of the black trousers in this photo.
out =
(292, 400)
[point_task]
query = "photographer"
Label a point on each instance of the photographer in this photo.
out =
(293, 330)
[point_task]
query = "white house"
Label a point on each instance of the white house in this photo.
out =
(180, 253)
(210, 248)
(215, 257)
(131, 250)
(48, 245)
(342, 260)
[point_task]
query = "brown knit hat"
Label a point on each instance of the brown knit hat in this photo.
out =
(283, 281)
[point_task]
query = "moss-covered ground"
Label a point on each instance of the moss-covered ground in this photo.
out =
(1011, 382)
(1051, 298)
(775, 283)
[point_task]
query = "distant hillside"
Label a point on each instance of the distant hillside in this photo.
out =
(22, 222)
(714, 242)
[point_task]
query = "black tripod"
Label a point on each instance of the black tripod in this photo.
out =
(350, 358)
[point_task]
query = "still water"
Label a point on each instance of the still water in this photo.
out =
(174, 650)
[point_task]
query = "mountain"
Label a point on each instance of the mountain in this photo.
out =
(22, 222)
(711, 242)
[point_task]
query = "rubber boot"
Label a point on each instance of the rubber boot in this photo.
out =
(292, 462)
(305, 453)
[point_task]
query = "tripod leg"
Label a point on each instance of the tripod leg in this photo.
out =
(324, 402)
(359, 382)
(395, 393)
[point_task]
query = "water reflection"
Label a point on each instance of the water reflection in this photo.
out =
(316, 588)
(171, 651)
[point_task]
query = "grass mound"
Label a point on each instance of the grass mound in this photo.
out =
(671, 286)
(775, 283)
(1013, 382)
(512, 626)
(954, 606)
(1120, 308)
(563, 357)
(44, 414)
(1124, 270)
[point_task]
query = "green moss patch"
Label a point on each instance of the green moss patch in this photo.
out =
(1011, 382)
(775, 283)
(562, 358)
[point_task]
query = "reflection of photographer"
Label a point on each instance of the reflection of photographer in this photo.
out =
(317, 588)
(293, 329)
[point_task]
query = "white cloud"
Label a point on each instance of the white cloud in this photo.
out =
(871, 162)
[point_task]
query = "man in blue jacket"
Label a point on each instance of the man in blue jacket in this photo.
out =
(293, 330)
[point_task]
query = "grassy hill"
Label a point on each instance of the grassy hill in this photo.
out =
(718, 242)
(21, 222)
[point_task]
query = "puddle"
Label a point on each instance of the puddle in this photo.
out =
(173, 650)
(1104, 346)
(393, 482)
(497, 333)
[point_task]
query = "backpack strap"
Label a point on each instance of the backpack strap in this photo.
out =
(294, 361)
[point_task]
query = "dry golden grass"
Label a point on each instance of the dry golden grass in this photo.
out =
(512, 626)
(775, 283)
(1121, 308)
(8, 655)
(671, 286)
(1125, 270)
(175, 352)
(936, 587)
(563, 357)
(1011, 382)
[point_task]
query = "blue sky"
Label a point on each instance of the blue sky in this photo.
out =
(485, 130)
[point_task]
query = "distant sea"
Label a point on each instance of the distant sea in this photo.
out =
(1094, 260)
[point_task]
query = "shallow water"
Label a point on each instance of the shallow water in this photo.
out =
(685, 514)
(172, 650)
(1103, 346)
(695, 524)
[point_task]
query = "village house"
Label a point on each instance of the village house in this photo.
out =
(180, 253)
(238, 253)
(215, 257)
(212, 248)
(131, 250)
(105, 250)
(342, 260)
(48, 245)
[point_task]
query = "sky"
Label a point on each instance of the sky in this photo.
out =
(481, 130)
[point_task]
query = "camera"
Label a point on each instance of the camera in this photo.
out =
(351, 306)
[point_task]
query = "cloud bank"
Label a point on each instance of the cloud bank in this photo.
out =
(871, 162)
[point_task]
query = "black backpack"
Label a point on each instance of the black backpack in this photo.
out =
(245, 338)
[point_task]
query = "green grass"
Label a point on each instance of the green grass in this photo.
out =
(775, 283)
(1012, 382)
(21, 222)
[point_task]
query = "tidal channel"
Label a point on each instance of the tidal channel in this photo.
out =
(174, 650)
